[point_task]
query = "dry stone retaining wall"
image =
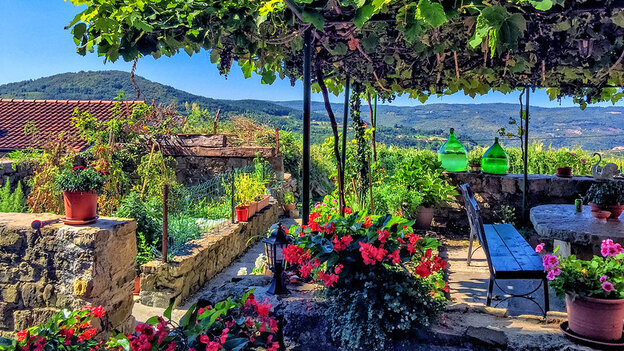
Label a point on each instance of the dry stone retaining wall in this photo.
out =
(184, 275)
(65, 267)
(494, 191)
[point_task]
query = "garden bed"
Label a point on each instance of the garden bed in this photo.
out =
(184, 275)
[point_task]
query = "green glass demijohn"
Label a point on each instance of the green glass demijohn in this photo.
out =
(452, 154)
(495, 160)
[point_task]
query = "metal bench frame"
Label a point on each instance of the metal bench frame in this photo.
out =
(477, 228)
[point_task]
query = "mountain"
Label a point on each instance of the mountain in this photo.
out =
(595, 128)
(105, 85)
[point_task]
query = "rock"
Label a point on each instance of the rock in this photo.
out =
(486, 336)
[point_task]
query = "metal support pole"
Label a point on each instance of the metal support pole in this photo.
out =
(525, 194)
(307, 92)
(165, 224)
(233, 204)
(345, 120)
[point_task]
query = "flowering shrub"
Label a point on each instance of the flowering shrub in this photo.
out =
(330, 247)
(380, 277)
(64, 331)
(80, 178)
(601, 277)
(230, 325)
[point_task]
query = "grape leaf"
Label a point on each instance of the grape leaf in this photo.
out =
(431, 12)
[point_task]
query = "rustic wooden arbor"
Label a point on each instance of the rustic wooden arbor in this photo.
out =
(389, 48)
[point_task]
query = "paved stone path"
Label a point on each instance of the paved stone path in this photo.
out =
(470, 283)
(467, 324)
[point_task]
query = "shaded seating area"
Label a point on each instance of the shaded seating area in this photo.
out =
(508, 255)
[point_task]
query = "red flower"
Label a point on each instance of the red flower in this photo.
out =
(87, 334)
(263, 309)
(383, 235)
(21, 335)
(395, 257)
(328, 279)
(348, 210)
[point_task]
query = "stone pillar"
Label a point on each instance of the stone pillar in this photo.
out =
(66, 267)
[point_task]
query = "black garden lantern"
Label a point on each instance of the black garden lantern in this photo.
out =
(273, 246)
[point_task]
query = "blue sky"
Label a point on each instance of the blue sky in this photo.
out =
(34, 44)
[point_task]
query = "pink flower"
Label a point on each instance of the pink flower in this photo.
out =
(539, 248)
(608, 287)
(609, 248)
(603, 279)
(549, 262)
(550, 275)
(572, 153)
(583, 160)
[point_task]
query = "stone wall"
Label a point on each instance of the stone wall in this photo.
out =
(193, 170)
(15, 175)
(184, 275)
(65, 267)
(494, 191)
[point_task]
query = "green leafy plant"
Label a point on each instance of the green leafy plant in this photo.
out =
(66, 330)
(600, 277)
(182, 229)
(81, 179)
(474, 155)
(248, 188)
(289, 198)
(606, 193)
(12, 201)
(241, 324)
(148, 216)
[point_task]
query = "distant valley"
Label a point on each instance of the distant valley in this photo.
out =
(595, 128)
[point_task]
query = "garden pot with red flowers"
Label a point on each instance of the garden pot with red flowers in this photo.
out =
(593, 291)
(80, 187)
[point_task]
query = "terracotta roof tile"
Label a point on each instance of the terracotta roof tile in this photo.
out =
(50, 117)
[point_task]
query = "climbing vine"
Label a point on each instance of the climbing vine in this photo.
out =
(418, 48)
(362, 156)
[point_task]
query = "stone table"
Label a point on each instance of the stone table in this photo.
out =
(578, 233)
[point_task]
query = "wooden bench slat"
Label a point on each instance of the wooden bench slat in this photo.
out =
(502, 259)
(523, 253)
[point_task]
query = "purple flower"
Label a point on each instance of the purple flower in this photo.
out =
(550, 275)
(539, 248)
(608, 287)
(603, 279)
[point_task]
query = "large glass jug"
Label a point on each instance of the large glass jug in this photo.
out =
(494, 160)
(452, 154)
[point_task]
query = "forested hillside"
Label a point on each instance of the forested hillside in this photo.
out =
(424, 126)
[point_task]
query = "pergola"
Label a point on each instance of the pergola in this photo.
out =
(384, 47)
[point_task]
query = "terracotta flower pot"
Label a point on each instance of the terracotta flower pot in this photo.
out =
(263, 203)
(475, 168)
(564, 172)
(80, 206)
(616, 210)
(242, 213)
(253, 208)
(289, 207)
(598, 319)
(600, 214)
(137, 286)
(424, 218)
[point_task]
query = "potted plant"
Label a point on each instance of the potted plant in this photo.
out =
(474, 159)
(606, 196)
(288, 201)
(80, 186)
(421, 187)
(593, 290)
(245, 195)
